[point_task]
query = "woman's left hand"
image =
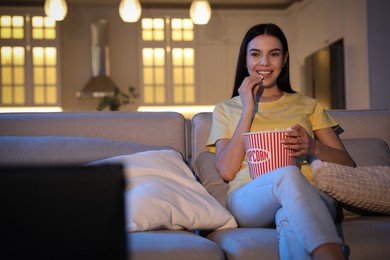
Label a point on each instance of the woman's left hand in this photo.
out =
(300, 141)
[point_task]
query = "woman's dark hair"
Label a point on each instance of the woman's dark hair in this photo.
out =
(283, 80)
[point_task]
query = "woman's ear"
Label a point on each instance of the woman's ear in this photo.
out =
(285, 58)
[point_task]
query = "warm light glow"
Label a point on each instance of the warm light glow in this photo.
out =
(182, 29)
(29, 109)
(38, 56)
(200, 12)
(56, 9)
(130, 10)
(18, 21)
(153, 29)
(18, 56)
(187, 111)
(37, 21)
(177, 57)
(50, 56)
(6, 57)
(5, 21)
(12, 27)
(147, 55)
(189, 56)
(159, 57)
(147, 23)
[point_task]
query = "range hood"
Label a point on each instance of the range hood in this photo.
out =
(100, 84)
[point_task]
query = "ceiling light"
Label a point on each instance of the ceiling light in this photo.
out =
(130, 10)
(200, 11)
(56, 9)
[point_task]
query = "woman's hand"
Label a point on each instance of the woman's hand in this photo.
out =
(300, 141)
(326, 146)
(251, 87)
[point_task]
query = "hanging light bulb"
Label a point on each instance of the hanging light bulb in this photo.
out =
(200, 11)
(130, 10)
(56, 9)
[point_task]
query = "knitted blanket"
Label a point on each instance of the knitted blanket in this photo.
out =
(366, 188)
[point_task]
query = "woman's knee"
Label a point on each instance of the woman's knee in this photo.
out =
(291, 177)
(290, 174)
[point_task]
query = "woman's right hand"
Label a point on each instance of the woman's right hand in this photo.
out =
(230, 152)
(251, 87)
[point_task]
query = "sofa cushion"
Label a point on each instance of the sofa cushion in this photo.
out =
(367, 237)
(162, 193)
(171, 245)
(365, 187)
(368, 151)
(247, 243)
(51, 150)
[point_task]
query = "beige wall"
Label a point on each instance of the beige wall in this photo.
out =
(76, 53)
(308, 27)
(319, 23)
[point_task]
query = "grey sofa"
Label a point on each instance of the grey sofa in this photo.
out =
(83, 137)
(367, 236)
(79, 138)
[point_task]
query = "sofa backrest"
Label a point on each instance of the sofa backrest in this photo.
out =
(201, 126)
(150, 128)
(356, 124)
(372, 123)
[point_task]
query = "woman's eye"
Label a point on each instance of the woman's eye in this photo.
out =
(275, 54)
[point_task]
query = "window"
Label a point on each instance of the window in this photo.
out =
(29, 60)
(168, 61)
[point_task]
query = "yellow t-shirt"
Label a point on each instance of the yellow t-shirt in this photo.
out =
(285, 112)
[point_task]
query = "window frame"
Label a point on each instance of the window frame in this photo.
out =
(28, 43)
(167, 44)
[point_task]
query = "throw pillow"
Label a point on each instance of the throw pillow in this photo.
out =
(162, 193)
(210, 178)
(366, 188)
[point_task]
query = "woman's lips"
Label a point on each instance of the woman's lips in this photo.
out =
(263, 73)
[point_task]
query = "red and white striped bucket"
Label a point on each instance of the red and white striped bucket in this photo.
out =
(265, 153)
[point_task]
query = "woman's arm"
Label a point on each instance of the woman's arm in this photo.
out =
(326, 146)
(230, 152)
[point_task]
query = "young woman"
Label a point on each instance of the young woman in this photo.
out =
(264, 100)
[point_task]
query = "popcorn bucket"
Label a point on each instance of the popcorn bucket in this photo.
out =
(265, 152)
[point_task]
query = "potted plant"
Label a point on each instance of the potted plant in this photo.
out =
(117, 99)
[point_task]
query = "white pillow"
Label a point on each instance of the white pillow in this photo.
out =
(162, 193)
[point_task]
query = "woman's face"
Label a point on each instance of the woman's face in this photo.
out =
(265, 57)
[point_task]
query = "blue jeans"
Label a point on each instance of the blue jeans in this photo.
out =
(304, 216)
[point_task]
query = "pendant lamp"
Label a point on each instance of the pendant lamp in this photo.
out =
(56, 9)
(130, 10)
(200, 11)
